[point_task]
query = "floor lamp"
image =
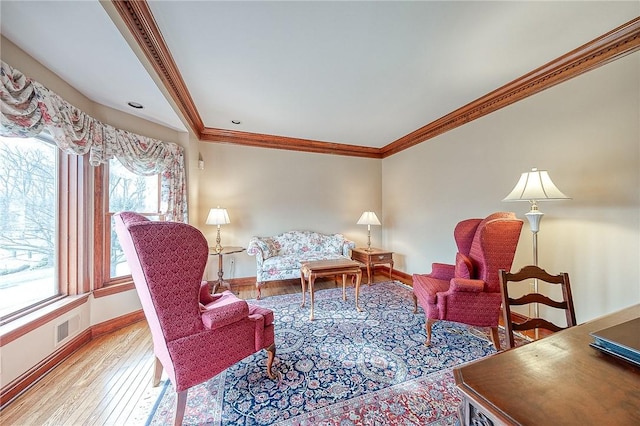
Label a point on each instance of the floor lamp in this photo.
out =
(535, 186)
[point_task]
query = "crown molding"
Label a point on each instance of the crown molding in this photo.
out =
(604, 49)
(283, 142)
(613, 45)
(139, 20)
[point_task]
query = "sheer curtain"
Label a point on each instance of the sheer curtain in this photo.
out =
(27, 108)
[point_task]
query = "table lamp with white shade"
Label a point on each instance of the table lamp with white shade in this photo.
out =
(218, 217)
(368, 218)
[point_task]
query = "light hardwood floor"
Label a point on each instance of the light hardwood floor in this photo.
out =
(108, 381)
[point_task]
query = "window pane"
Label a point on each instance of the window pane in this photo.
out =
(28, 201)
(128, 192)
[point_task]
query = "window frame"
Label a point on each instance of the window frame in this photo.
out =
(72, 230)
(104, 285)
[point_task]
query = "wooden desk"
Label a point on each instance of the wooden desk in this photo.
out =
(558, 380)
(372, 258)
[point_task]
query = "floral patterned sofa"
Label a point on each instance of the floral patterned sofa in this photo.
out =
(280, 257)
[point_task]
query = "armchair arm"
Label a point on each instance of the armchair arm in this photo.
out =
(347, 246)
(466, 285)
(219, 316)
(442, 271)
(205, 295)
(257, 247)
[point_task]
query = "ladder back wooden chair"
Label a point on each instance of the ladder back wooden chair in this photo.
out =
(527, 273)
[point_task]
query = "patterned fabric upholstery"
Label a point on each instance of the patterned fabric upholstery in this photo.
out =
(464, 267)
(469, 291)
(280, 257)
(196, 335)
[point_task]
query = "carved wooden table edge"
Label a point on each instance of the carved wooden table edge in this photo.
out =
(468, 411)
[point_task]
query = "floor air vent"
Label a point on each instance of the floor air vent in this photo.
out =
(66, 329)
(63, 331)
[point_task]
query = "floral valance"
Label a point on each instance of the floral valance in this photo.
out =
(27, 108)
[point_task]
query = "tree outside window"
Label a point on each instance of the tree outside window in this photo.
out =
(28, 223)
(129, 192)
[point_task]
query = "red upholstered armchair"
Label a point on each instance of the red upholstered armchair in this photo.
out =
(196, 335)
(469, 291)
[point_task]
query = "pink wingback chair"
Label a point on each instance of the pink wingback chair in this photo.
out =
(469, 291)
(196, 335)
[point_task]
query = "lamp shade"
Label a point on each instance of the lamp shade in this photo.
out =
(535, 185)
(368, 218)
(218, 216)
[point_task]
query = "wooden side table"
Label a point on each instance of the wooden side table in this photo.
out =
(373, 257)
(225, 250)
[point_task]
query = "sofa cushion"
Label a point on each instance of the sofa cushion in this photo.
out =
(292, 243)
(334, 244)
(294, 261)
(269, 247)
(302, 242)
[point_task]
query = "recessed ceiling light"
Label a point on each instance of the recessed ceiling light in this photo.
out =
(135, 105)
(235, 121)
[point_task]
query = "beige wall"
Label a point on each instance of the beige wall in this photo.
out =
(586, 133)
(269, 191)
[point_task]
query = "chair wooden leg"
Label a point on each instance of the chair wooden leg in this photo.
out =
(157, 372)
(179, 408)
(415, 304)
(428, 326)
(496, 338)
(259, 295)
(271, 354)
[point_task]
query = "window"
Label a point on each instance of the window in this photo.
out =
(127, 192)
(29, 194)
(43, 225)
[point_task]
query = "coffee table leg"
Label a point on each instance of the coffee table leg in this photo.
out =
(304, 288)
(358, 280)
(344, 287)
(312, 278)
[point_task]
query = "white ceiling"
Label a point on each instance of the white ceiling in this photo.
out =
(360, 73)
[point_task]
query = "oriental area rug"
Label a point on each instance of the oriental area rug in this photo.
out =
(344, 368)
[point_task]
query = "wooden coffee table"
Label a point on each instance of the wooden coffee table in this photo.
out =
(326, 268)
